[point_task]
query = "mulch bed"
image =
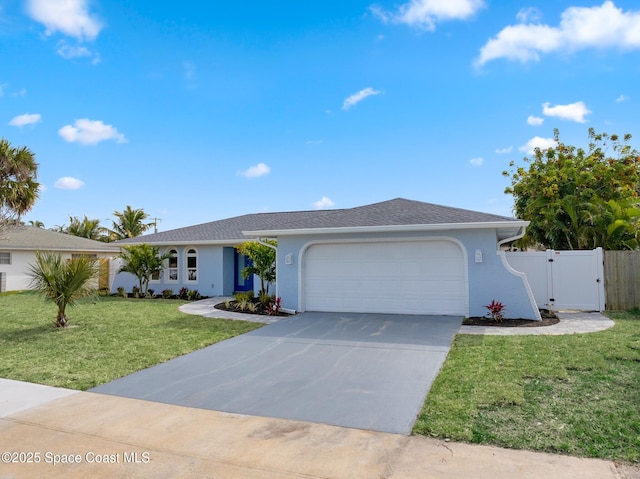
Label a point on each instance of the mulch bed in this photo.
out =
(548, 318)
(260, 309)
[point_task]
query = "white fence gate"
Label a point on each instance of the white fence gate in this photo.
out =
(564, 279)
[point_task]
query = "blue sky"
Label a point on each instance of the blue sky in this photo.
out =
(200, 110)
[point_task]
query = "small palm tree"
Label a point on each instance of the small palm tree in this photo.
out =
(143, 261)
(62, 281)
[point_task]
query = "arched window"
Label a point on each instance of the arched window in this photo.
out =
(172, 266)
(192, 265)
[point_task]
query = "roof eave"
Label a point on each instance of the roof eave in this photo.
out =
(504, 225)
(227, 242)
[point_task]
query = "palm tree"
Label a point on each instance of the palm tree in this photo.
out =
(18, 185)
(62, 281)
(36, 223)
(130, 223)
(86, 228)
(143, 261)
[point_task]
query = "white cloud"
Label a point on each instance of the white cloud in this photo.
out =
(90, 132)
(426, 13)
(538, 142)
(622, 98)
(535, 120)
(573, 111)
(26, 119)
(323, 203)
(314, 142)
(529, 14)
(71, 17)
(68, 52)
(479, 161)
(69, 183)
(256, 171)
(603, 26)
(358, 97)
(504, 151)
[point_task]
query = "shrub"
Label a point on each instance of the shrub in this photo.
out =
(182, 294)
(150, 293)
(193, 294)
(495, 310)
(122, 292)
(167, 293)
(135, 291)
(265, 298)
(274, 307)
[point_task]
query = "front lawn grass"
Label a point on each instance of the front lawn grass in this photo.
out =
(107, 338)
(576, 394)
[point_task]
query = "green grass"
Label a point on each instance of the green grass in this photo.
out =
(577, 394)
(107, 338)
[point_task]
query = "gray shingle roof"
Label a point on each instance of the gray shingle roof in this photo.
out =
(32, 238)
(387, 213)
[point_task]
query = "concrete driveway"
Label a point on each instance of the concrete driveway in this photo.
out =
(366, 371)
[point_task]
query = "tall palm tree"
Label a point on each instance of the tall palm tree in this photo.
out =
(130, 223)
(18, 185)
(62, 281)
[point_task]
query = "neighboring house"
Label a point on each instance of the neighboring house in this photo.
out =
(397, 256)
(18, 247)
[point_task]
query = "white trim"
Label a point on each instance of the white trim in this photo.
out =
(516, 224)
(306, 246)
(186, 264)
(177, 268)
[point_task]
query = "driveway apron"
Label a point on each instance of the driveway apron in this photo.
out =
(366, 371)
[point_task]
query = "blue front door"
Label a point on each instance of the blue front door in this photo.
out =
(241, 262)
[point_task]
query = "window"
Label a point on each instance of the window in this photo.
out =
(5, 258)
(192, 265)
(172, 267)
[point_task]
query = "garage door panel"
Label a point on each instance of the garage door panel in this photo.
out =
(422, 277)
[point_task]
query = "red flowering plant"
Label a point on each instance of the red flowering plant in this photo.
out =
(495, 310)
(274, 306)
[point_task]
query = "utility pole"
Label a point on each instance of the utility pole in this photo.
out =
(155, 224)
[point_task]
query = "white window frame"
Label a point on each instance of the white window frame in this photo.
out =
(189, 270)
(176, 267)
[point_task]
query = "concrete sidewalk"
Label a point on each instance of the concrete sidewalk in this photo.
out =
(113, 437)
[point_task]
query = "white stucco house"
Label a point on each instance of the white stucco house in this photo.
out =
(18, 247)
(396, 256)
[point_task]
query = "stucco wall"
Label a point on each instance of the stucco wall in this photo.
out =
(210, 273)
(489, 279)
(16, 273)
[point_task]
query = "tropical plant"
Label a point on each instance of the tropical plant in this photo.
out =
(63, 281)
(167, 293)
(274, 306)
(86, 228)
(577, 199)
(143, 261)
(130, 223)
(263, 259)
(19, 188)
(36, 223)
(495, 310)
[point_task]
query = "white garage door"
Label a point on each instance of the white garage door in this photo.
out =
(412, 277)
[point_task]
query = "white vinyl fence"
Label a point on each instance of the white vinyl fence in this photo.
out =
(563, 279)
